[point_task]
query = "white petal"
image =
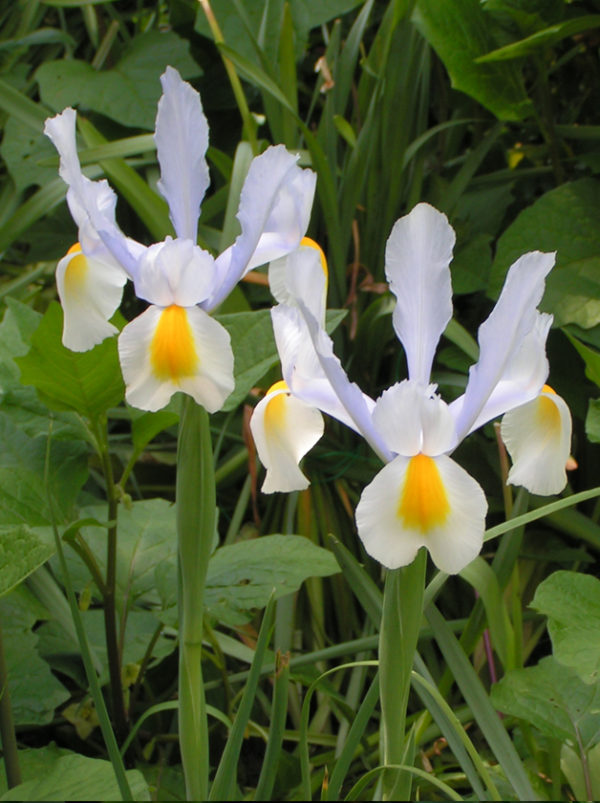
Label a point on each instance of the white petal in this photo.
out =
(523, 377)
(92, 203)
(190, 352)
(274, 211)
(412, 418)
(175, 272)
(181, 138)
(403, 509)
(538, 438)
(90, 291)
(417, 256)
(284, 430)
(501, 335)
(302, 274)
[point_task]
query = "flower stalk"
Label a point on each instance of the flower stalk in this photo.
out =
(196, 505)
(7, 726)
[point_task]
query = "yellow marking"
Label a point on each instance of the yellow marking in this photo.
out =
(275, 412)
(423, 503)
(76, 270)
(548, 414)
(548, 389)
(312, 244)
(173, 351)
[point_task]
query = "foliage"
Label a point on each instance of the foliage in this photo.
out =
(489, 111)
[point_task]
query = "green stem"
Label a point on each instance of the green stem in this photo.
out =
(109, 592)
(7, 726)
(400, 626)
(196, 504)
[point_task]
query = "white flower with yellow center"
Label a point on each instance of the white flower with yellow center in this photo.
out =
(422, 497)
(174, 345)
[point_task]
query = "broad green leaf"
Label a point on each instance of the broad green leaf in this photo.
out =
(34, 691)
(591, 358)
(88, 382)
(72, 776)
(22, 551)
(459, 32)
(20, 106)
(146, 426)
(254, 348)
(592, 421)
(242, 576)
(22, 150)
(127, 93)
(554, 699)
(24, 499)
(571, 601)
(571, 765)
(564, 220)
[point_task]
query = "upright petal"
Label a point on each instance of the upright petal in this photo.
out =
(538, 438)
(523, 377)
(284, 430)
(181, 138)
(501, 335)
(165, 350)
(90, 291)
(274, 211)
(302, 274)
(92, 203)
(422, 501)
(417, 256)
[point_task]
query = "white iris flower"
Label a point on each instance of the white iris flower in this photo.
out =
(175, 344)
(421, 497)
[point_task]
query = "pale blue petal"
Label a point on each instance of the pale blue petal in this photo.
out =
(417, 257)
(502, 334)
(181, 138)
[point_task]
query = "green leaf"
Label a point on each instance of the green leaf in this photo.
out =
(22, 150)
(242, 576)
(571, 765)
(459, 32)
(88, 382)
(254, 347)
(591, 358)
(146, 426)
(542, 39)
(554, 699)
(564, 220)
(571, 601)
(73, 777)
(34, 691)
(23, 495)
(22, 551)
(592, 421)
(127, 93)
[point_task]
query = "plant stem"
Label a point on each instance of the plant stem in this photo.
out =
(7, 726)
(400, 626)
(196, 504)
(109, 592)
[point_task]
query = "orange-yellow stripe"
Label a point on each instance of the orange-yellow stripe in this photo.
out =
(173, 351)
(312, 244)
(423, 502)
(76, 270)
(276, 408)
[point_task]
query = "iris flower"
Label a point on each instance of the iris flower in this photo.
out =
(174, 345)
(422, 496)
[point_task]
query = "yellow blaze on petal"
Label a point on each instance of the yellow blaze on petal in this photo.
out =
(76, 270)
(548, 413)
(173, 351)
(312, 244)
(423, 503)
(548, 389)
(275, 412)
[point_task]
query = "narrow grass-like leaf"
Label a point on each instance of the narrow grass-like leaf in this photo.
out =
(356, 793)
(224, 784)
(362, 585)
(478, 701)
(270, 764)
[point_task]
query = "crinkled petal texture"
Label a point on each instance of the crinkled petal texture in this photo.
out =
(175, 272)
(501, 336)
(284, 430)
(181, 138)
(90, 291)
(538, 438)
(176, 348)
(274, 212)
(417, 259)
(422, 501)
